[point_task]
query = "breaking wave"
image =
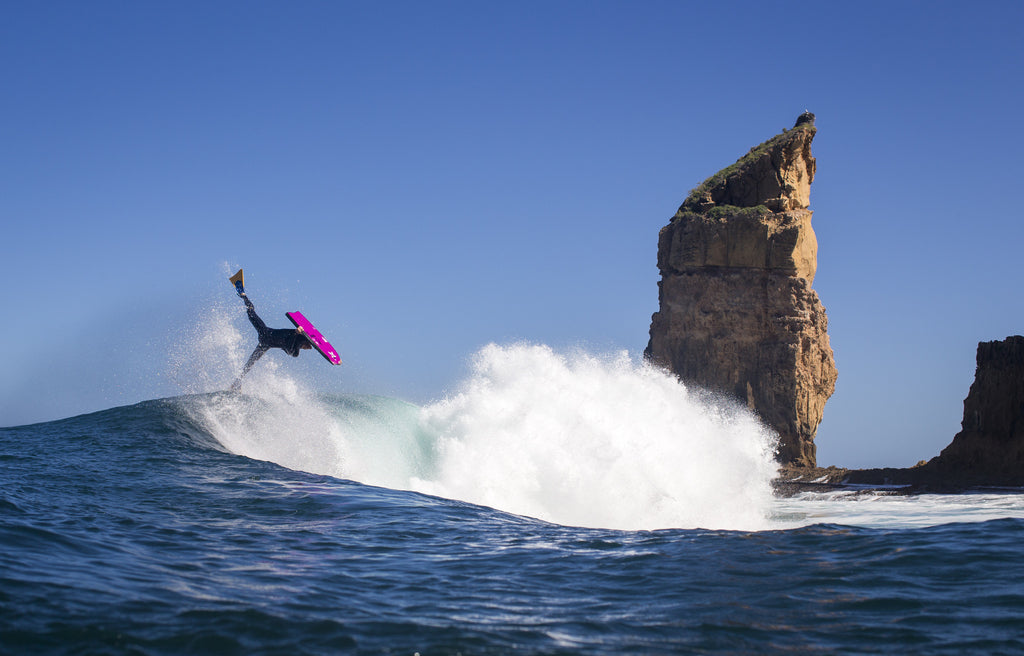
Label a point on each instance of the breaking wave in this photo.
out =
(571, 438)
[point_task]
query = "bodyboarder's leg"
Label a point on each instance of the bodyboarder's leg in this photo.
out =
(256, 355)
(254, 318)
(250, 311)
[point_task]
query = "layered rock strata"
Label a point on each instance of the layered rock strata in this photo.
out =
(989, 449)
(736, 310)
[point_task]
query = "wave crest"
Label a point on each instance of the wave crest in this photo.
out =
(576, 439)
(598, 441)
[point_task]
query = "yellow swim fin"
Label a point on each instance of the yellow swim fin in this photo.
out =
(238, 280)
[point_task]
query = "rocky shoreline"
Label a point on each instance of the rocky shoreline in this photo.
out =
(920, 479)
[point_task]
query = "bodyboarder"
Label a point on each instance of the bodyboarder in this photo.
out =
(289, 340)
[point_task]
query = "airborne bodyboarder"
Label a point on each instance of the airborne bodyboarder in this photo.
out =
(289, 340)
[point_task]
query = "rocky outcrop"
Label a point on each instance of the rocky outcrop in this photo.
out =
(989, 449)
(987, 452)
(736, 309)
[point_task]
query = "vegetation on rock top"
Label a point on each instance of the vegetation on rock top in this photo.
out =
(756, 152)
(723, 211)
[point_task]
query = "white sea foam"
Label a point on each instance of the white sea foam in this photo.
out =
(889, 509)
(598, 441)
(574, 438)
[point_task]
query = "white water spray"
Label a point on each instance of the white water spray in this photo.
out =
(601, 442)
(277, 419)
(572, 439)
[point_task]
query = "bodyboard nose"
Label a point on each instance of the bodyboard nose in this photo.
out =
(318, 341)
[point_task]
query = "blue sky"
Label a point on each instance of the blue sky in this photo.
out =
(422, 178)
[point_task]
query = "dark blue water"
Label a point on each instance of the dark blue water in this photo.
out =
(131, 531)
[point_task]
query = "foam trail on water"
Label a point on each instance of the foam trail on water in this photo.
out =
(885, 510)
(600, 442)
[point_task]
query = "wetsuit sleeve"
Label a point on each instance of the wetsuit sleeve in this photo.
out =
(297, 344)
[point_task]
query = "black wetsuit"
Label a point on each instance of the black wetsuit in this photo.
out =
(288, 340)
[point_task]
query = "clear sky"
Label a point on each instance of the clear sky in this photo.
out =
(423, 178)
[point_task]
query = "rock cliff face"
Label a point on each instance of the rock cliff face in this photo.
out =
(736, 309)
(989, 450)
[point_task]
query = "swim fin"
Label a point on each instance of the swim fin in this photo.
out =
(238, 280)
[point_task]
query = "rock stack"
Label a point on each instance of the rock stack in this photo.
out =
(989, 449)
(736, 310)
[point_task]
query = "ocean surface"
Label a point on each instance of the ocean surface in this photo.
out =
(553, 504)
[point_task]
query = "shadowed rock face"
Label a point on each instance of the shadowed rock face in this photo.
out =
(736, 309)
(989, 450)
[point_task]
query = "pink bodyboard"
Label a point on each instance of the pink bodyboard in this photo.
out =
(314, 337)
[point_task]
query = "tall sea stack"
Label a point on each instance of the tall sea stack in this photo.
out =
(736, 310)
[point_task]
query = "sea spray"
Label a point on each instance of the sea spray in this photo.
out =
(276, 418)
(575, 439)
(209, 356)
(601, 442)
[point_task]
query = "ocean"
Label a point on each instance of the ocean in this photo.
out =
(552, 504)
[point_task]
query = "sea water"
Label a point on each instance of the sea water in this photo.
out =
(553, 503)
